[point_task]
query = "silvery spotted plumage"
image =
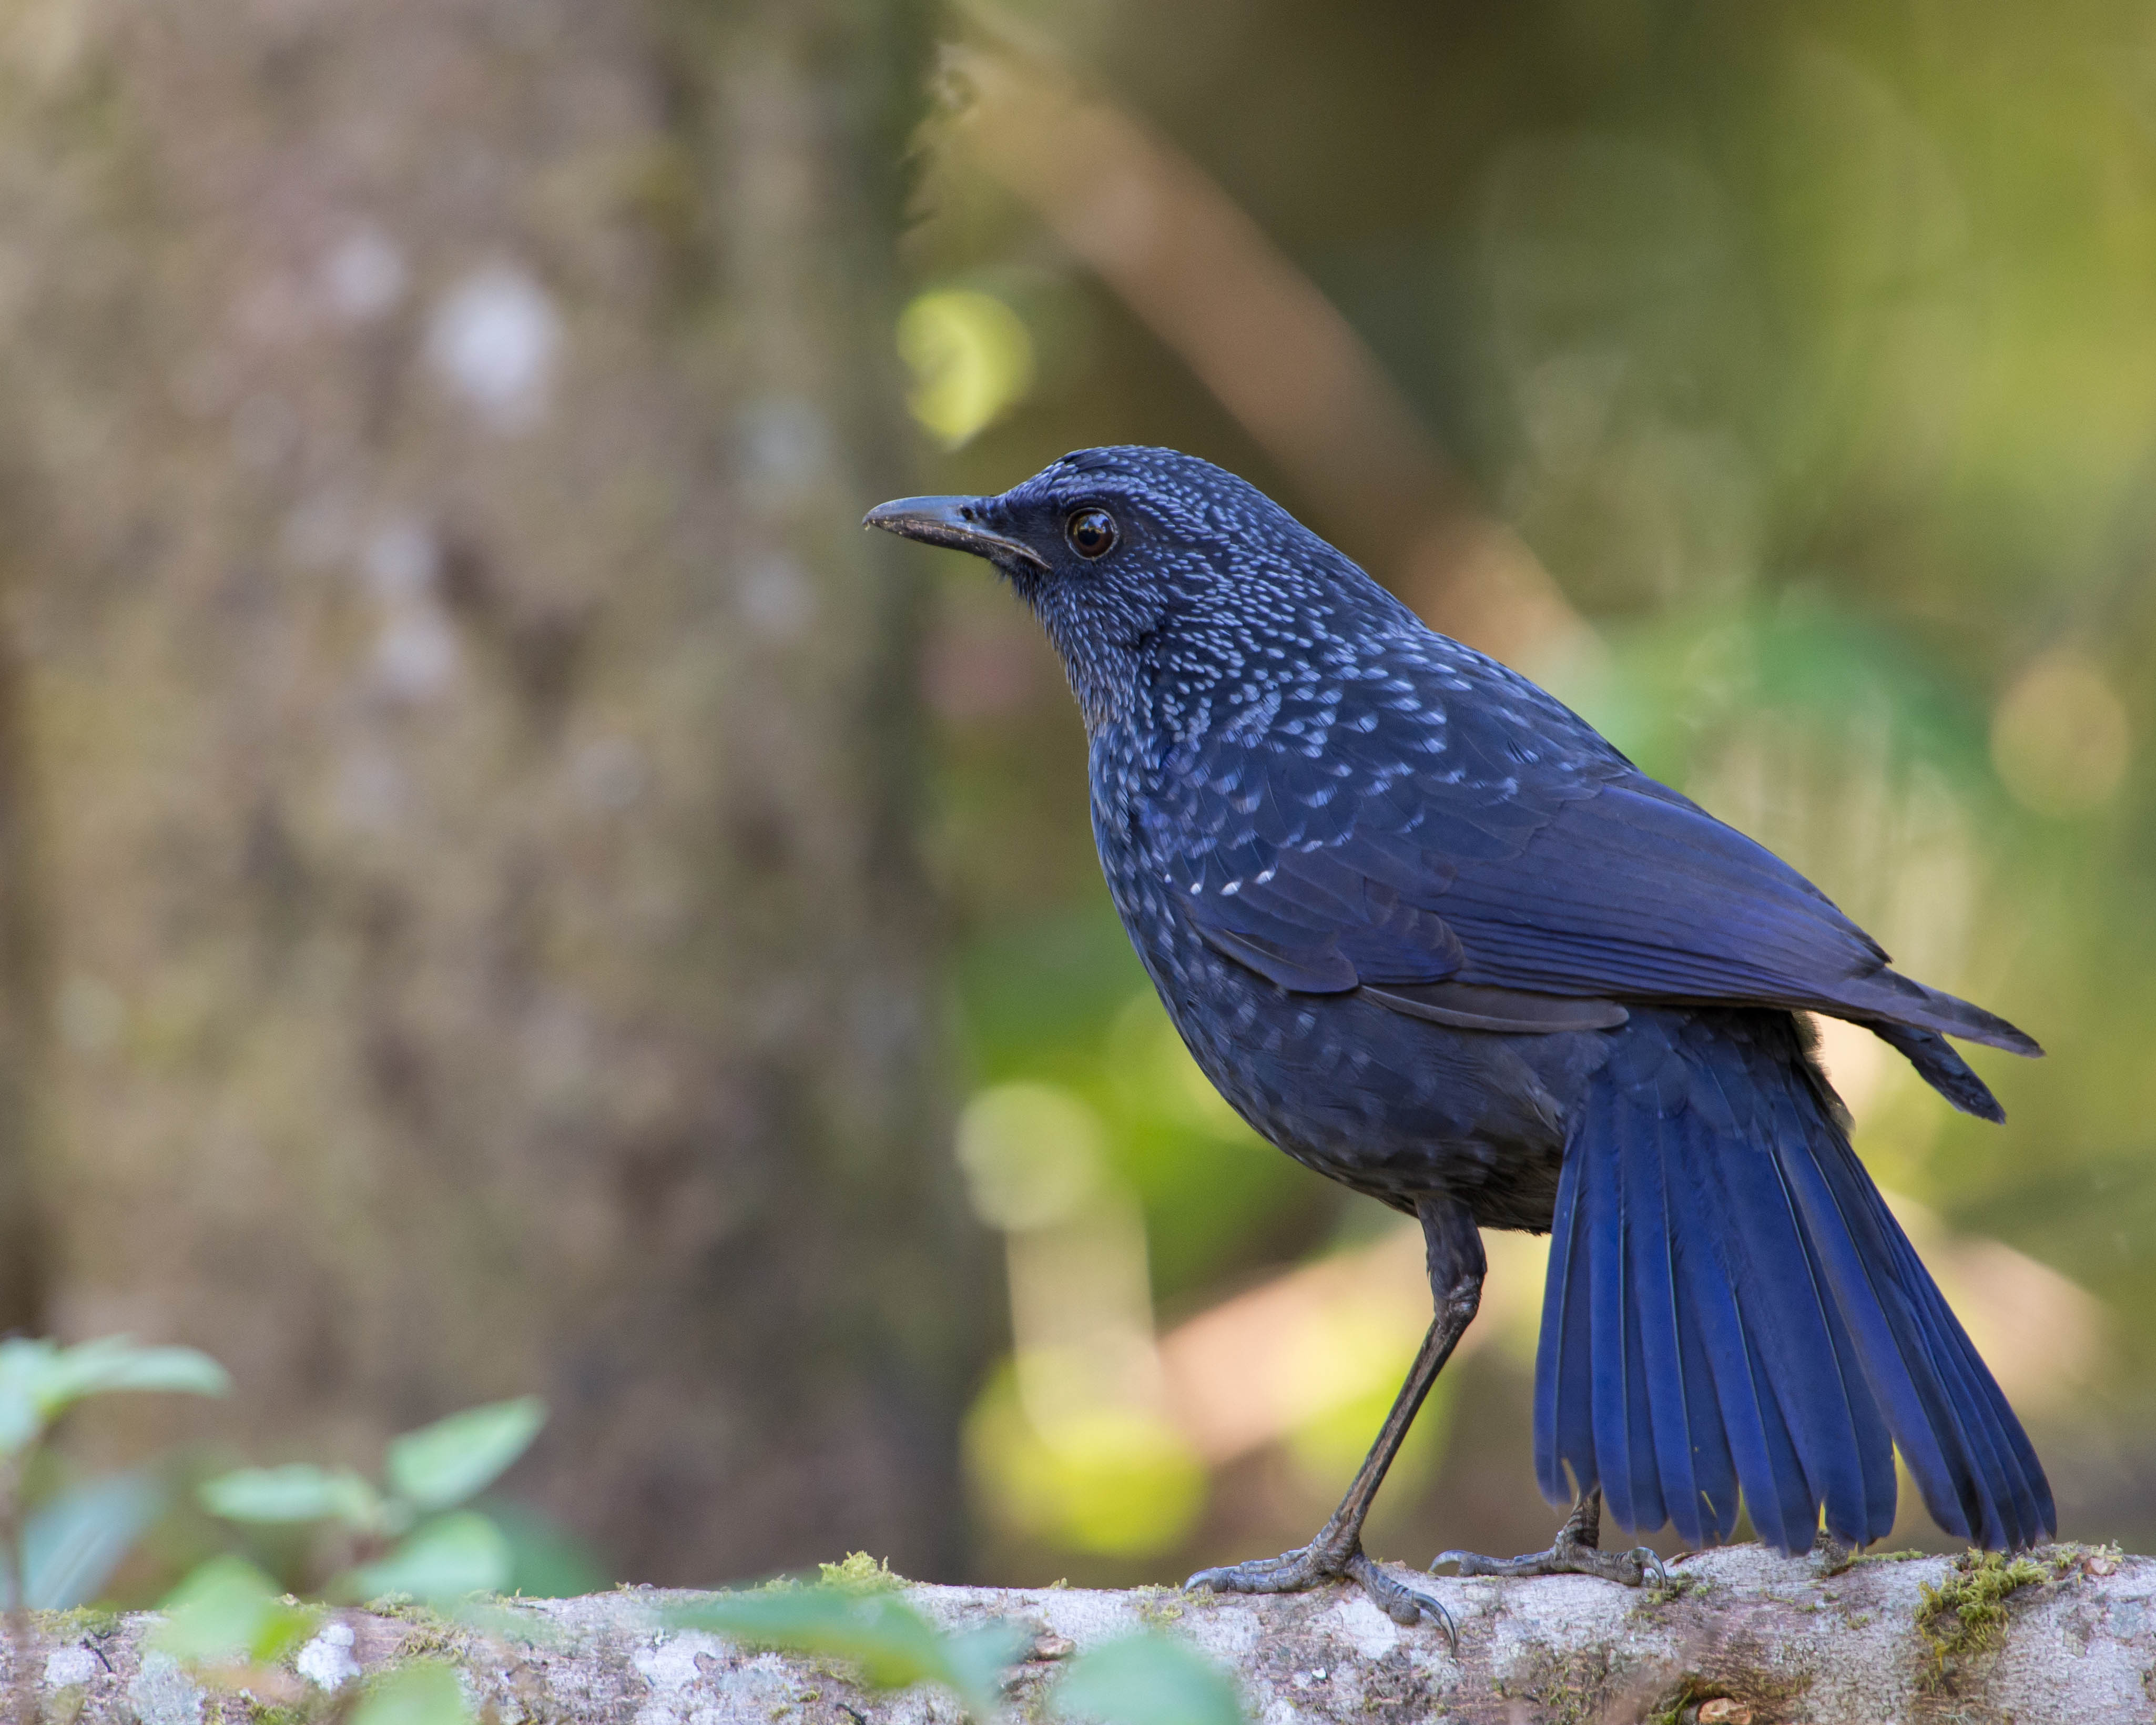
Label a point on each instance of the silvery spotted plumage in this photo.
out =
(1435, 937)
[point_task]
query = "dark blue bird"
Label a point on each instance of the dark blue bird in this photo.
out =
(1435, 938)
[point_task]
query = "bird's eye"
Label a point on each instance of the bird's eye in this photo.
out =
(1091, 532)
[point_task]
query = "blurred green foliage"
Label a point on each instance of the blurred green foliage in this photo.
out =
(853, 1617)
(1147, 1680)
(426, 1691)
(227, 1612)
(59, 1549)
(233, 1623)
(414, 1538)
(884, 1640)
(420, 1536)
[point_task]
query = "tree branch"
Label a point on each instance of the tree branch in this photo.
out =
(1740, 1636)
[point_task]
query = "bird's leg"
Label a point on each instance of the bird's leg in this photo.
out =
(1577, 1550)
(1456, 1279)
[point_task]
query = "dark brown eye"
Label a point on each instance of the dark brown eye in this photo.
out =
(1091, 532)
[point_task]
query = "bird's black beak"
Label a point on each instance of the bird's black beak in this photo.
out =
(953, 521)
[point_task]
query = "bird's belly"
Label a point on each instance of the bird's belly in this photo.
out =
(1393, 1107)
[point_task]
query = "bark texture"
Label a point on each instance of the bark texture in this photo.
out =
(471, 742)
(1750, 1636)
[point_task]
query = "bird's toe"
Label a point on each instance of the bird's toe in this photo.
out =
(1290, 1573)
(1401, 1603)
(1297, 1571)
(1566, 1557)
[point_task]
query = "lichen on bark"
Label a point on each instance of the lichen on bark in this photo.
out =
(1779, 1641)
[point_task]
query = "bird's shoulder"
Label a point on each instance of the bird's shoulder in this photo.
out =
(1384, 729)
(1409, 812)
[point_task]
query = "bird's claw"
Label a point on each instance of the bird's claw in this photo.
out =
(1297, 1571)
(1567, 1557)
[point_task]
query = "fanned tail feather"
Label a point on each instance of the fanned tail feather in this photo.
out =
(1944, 1069)
(1731, 1305)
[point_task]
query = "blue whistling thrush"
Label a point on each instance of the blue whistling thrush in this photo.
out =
(1435, 938)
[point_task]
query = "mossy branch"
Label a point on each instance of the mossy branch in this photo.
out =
(1750, 1639)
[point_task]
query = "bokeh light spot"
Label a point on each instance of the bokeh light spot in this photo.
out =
(2060, 737)
(972, 360)
(1033, 1154)
(1112, 1482)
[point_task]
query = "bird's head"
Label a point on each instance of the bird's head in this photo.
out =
(1130, 554)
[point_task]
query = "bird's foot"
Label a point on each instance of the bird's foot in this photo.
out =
(1297, 1571)
(1567, 1555)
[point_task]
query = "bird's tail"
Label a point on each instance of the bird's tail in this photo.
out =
(1731, 1305)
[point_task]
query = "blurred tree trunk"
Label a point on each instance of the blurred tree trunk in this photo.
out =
(475, 741)
(24, 987)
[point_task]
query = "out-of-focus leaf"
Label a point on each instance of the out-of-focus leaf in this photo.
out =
(1147, 1680)
(24, 1361)
(893, 1645)
(73, 1543)
(977, 1660)
(39, 1380)
(296, 1493)
(550, 1562)
(227, 1612)
(425, 1692)
(445, 1463)
(114, 1363)
(443, 1560)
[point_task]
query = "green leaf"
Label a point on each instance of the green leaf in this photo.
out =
(296, 1493)
(113, 1362)
(549, 1563)
(227, 1612)
(892, 1645)
(977, 1660)
(73, 1543)
(891, 1642)
(445, 1463)
(24, 1361)
(443, 1560)
(424, 1692)
(1147, 1680)
(39, 1380)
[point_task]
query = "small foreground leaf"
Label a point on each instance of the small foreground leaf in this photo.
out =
(40, 1380)
(227, 1612)
(296, 1493)
(73, 1543)
(424, 1692)
(893, 1645)
(24, 1363)
(445, 1463)
(977, 1660)
(113, 1362)
(446, 1558)
(1147, 1680)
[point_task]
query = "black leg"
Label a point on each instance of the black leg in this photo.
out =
(1577, 1550)
(1456, 1280)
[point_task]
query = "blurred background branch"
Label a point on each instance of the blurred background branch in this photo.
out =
(1204, 278)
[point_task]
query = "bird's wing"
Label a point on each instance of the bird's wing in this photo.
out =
(1418, 860)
